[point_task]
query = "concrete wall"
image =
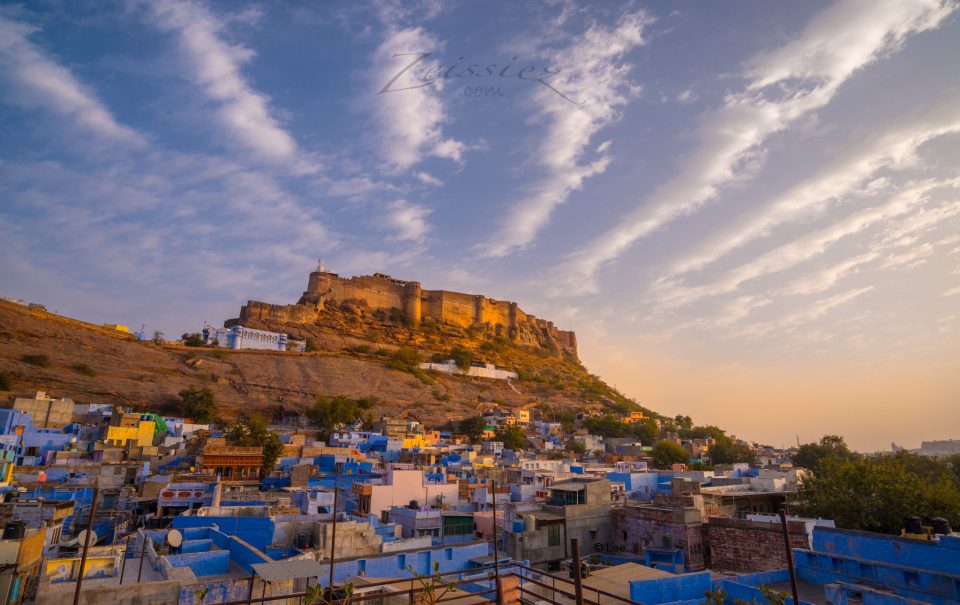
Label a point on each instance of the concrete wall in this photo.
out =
(147, 593)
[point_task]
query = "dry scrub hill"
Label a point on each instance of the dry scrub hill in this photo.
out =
(41, 351)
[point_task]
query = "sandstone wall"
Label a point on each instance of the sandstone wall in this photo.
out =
(738, 545)
(382, 292)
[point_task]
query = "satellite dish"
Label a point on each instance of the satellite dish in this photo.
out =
(82, 538)
(174, 538)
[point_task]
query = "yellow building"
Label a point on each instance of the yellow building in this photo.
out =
(117, 327)
(522, 416)
(141, 435)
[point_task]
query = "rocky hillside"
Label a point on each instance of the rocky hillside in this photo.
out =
(353, 355)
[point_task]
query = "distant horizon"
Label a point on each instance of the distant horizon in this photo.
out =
(747, 212)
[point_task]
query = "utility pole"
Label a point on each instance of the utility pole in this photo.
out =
(86, 544)
(577, 577)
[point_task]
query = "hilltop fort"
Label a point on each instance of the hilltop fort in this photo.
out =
(384, 295)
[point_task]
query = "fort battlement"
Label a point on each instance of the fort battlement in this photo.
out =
(381, 292)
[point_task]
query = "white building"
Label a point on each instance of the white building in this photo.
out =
(485, 371)
(241, 337)
(401, 488)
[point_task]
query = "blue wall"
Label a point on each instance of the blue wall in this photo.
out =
(666, 590)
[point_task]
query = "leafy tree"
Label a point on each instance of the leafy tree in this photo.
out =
(810, 454)
(473, 428)
(666, 453)
(192, 340)
(647, 430)
(254, 432)
(157, 337)
(198, 404)
(330, 413)
(608, 426)
(461, 357)
(877, 493)
(683, 422)
(576, 447)
(725, 451)
(513, 437)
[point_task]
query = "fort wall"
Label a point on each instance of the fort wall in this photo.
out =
(381, 292)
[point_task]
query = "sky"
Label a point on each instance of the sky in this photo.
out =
(748, 211)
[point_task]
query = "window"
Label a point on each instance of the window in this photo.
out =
(553, 535)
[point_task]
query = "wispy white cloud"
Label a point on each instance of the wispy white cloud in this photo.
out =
(599, 79)
(35, 79)
(407, 221)
(410, 114)
(673, 293)
(809, 313)
(847, 174)
(215, 66)
(782, 86)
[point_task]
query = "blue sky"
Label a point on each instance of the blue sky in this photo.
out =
(748, 211)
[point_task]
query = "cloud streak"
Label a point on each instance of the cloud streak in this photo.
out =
(600, 76)
(37, 80)
(214, 65)
(781, 87)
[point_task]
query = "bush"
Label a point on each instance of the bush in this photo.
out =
(461, 357)
(199, 404)
(82, 368)
(220, 354)
(362, 349)
(37, 359)
(6, 383)
(192, 340)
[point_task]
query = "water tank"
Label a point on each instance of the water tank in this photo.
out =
(941, 525)
(911, 525)
(518, 526)
(529, 523)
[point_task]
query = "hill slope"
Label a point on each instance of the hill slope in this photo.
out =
(90, 364)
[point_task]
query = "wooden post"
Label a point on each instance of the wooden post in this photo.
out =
(575, 561)
(86, 544)
(250, 592)
(786, 544)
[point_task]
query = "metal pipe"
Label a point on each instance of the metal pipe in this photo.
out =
(123, 566)
(786, 544)
(86, 544)
(143, 551)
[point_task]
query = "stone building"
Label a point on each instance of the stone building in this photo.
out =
(740, 545)
(382, 293)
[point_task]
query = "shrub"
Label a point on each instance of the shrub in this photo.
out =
(220, 354)
(82, 368)
(37, 359)
(199, 404)
(192, 340)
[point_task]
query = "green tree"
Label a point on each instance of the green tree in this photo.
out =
(513, 437)
(666, 453)
(725, 451)
(877, 493)
(683, 422)
(472, 427)
(608, 426)
(463, 358)
(199, 404)
(254, 432)
(647, 430)
(810, 454)
(192, 340)
(330, 413)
